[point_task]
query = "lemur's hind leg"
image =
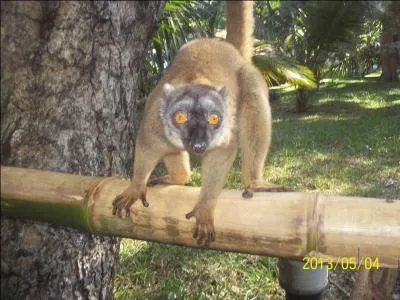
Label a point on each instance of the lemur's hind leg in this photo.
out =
(255, 130)
(178, 167)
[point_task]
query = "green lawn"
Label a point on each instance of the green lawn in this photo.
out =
(348, 143)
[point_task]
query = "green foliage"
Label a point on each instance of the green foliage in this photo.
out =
(348, 144)
(271, 22)
(330, 37)
(300, 42)
(321, 28)
(278, 69)
(181, 21)
(335, 38)
(185, 20)
(357, 57)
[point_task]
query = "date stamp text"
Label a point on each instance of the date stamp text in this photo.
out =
(341, 262)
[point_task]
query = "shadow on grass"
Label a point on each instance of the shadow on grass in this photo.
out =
(371, 84)
(342, 95)
(343, 107)
(353, 154)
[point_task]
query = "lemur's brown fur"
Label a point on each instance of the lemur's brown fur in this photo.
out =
(216, 63)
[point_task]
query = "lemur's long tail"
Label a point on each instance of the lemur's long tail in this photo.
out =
(240, 26)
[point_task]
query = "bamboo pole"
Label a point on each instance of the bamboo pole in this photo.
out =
(291, 224)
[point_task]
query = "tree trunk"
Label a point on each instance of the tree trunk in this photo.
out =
(375, 284)
(389, 57)
(69, 82)
(389, 38)
(302, 96)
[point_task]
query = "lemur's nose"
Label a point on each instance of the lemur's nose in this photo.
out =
(198, 147)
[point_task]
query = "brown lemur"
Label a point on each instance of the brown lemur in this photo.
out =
(210, 100)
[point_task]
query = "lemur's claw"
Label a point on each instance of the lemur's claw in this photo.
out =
(204, 231)
(125, 201)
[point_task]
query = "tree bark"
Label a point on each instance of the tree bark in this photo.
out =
(302, 96)
(69, 85)
(375, 284)
(389, 37)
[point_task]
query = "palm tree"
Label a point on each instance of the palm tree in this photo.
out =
(315, 30)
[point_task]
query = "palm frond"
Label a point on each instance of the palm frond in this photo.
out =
(278, 69)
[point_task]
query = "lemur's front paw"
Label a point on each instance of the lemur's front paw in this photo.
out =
(125, 200)
(205, 231)
(263, 187)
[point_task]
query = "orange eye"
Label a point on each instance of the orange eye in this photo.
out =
(180, 117)
(213, 119)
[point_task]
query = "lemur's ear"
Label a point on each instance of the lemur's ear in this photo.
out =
(168, 89)
(223, 91)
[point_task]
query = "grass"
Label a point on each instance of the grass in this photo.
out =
(348, 143)
(156, 271)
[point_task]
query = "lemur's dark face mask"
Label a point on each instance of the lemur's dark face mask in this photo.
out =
(195, 114)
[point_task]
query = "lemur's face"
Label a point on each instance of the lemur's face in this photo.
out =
(193, 116)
